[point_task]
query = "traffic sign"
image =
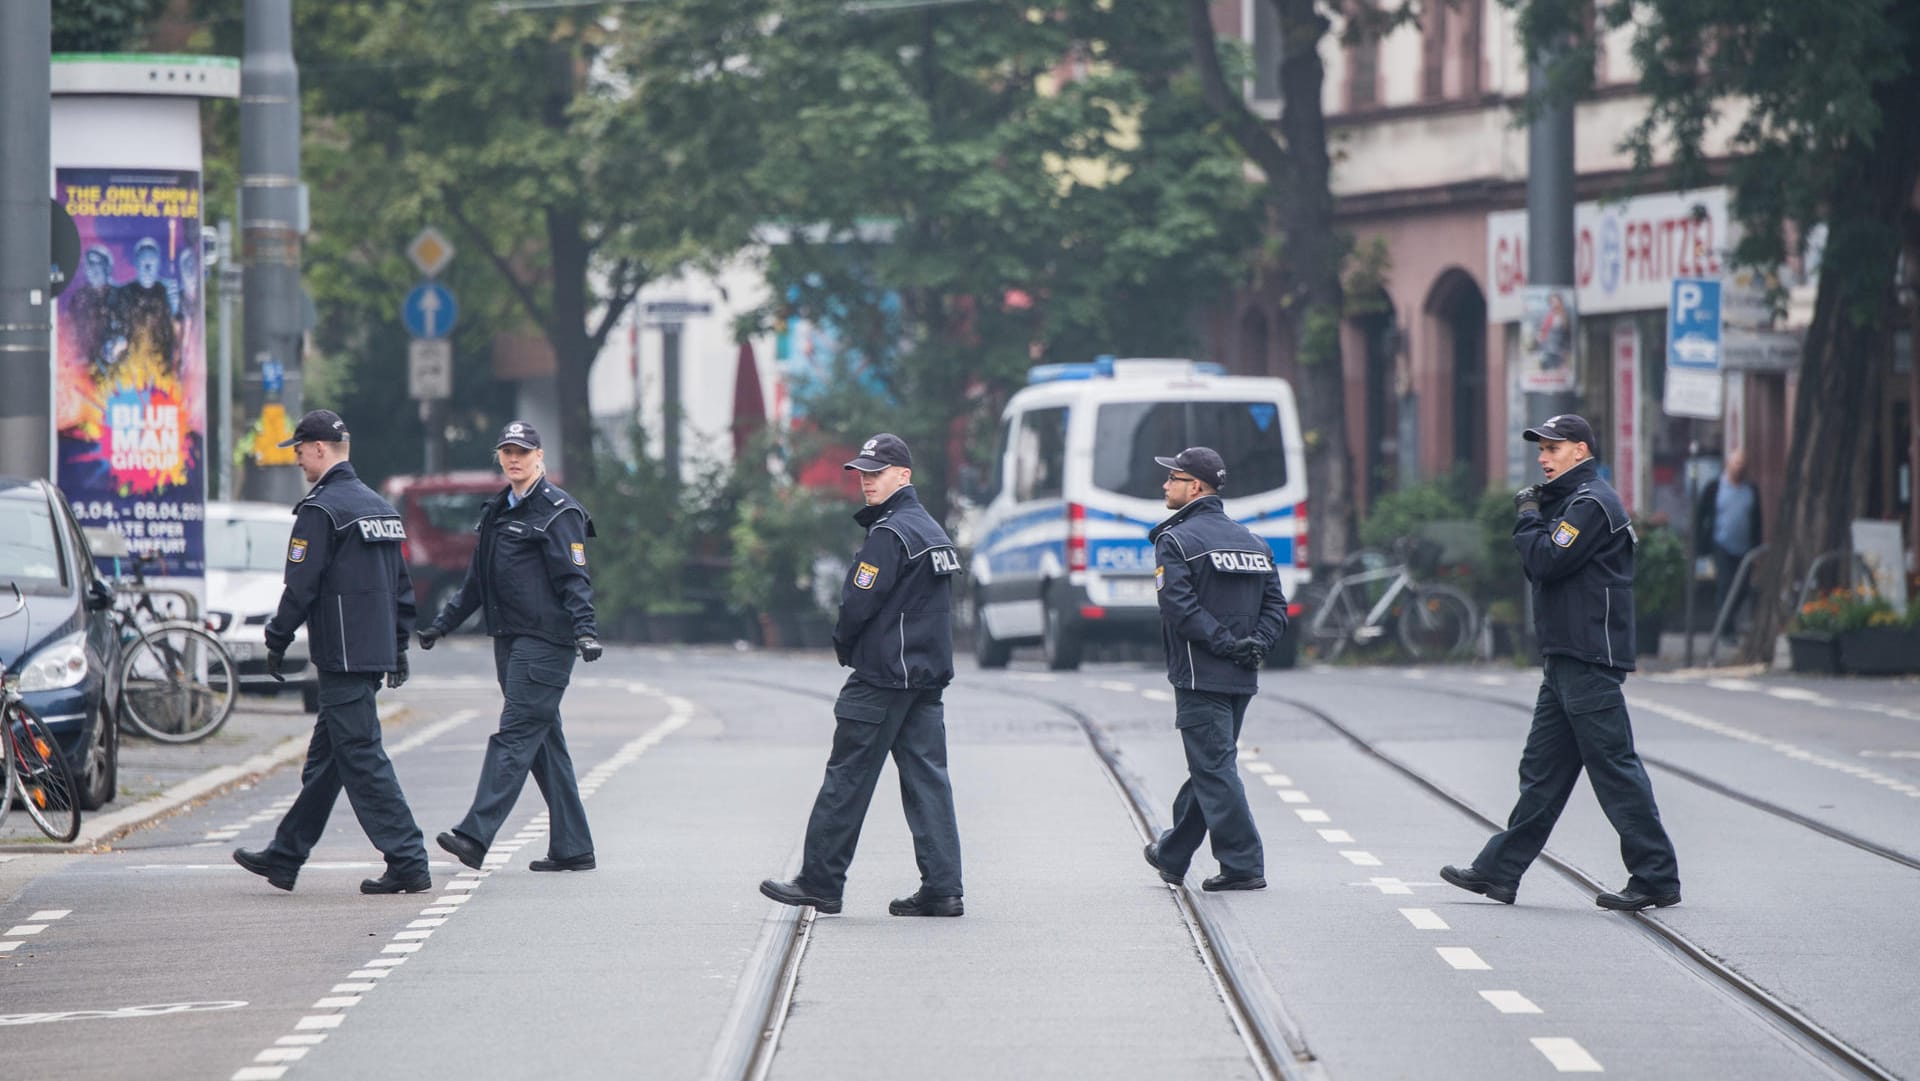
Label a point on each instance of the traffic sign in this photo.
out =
(431, 251)
(429, 311)
(1693, 324)
(666, 312)
(429, 368)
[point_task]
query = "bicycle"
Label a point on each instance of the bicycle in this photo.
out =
(1431, 621)
(177, 681)
(31, 760)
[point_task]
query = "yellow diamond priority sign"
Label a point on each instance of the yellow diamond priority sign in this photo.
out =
(431, 251)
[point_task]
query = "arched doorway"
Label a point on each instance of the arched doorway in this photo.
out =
(1458, 313)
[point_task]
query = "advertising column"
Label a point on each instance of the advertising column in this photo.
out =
(129, 340)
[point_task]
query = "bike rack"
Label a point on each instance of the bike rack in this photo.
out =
(1740, 576)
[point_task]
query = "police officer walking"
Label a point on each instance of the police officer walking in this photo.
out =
(1576, 546)
(895, 633)
(1221, 611)
(346, 580)
(529, 579)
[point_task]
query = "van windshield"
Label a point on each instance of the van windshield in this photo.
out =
(1128, 435)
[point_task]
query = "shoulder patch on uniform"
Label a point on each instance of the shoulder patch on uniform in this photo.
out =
(1159, 579)
(579, 552)
(1565, 534)
(864, 574)
(297, 551)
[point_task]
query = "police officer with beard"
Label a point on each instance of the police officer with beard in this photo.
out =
(1221, 612)
(346, 580)
(895, 633)
(1576, 546)
(529, 578)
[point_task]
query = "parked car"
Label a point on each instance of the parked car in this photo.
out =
(63, 645)
(246, 562)
(440, 511)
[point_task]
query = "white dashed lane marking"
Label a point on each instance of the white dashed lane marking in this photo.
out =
(1510, 1002)
(1424, 919)
(1567, 1055)
(1278, 780)
(1294, 795)
(1310, 814)
(1360, 859)
(1462, 958)
(1336, 837)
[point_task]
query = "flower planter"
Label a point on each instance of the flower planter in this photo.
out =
(1879, 651)
(1817, 654)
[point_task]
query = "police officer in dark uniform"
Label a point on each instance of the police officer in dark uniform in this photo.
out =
(347, 581)
(1576, 546)
(895, 633)
(529, 579)
(1221, 611)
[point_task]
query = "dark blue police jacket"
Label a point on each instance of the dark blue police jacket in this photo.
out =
(529, 571)
(1216, 584)
(1578, 553)
(895, 627)
(346, 578)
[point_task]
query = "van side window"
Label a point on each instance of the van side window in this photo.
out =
(994, 472)
(1040, 455)
(1248, 435)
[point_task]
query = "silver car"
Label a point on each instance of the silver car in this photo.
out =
(246, 559)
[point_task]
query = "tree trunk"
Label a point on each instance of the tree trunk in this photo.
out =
(1844, 363)
(567, 332)
(1314, 252)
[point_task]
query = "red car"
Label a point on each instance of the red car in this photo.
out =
(440, 511)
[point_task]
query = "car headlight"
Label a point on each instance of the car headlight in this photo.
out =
(57, 666)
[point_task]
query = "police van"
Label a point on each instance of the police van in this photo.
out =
(1061, 556)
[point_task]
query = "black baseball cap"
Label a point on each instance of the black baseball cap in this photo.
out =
(880, 452)
(520, 434)
(1565, 428)
(1203, 462)
(319, 426)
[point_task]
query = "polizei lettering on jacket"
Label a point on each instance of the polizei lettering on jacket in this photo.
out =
(945, 561)
(381, 529)
(1242, 562)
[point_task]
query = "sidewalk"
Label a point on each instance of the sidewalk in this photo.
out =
(159, 779)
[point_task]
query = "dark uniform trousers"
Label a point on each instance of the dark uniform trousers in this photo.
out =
(533, 674)
(345, 752)
(869, 723)
(1212, 802)
(1580, 720)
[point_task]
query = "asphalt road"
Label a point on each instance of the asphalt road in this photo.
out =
(1792, 803)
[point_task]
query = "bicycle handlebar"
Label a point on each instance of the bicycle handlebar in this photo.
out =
(19, 601)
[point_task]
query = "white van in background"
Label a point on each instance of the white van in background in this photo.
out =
(1062, 556)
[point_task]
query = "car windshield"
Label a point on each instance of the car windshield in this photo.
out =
(1128, 435)
(453, 512)
(237, 544)
(29, 547)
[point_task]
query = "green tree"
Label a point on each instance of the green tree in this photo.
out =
(101, 26)
(1821, 96)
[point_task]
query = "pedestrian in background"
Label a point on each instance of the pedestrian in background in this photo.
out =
(895, 632)
(1576, 546)
(1728, 526)
(529, 579)
(1221, 611)
(347, 582)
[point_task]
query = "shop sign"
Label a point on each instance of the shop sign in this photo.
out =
(1625, 252)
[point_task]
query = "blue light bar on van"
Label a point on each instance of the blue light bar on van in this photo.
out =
(1107, 366)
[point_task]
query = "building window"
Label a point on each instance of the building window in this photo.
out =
(1363, 61)
(1265, 23)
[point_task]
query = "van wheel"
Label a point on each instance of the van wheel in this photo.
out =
(1058, 638)
(988, 651)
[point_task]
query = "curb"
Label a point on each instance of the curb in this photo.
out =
(97, 833)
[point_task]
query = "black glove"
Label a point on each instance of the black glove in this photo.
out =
(1527, 499)
(428, 636)
(1248, 653)
(399, 674)
(275, 659)
(589, 647)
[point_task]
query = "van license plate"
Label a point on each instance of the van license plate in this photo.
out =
(1130, 591)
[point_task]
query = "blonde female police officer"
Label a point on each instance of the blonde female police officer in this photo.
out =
(529, 578)
(1576, 546)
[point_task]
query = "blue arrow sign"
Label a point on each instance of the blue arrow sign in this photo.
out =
(1693, 324)
(429, 311)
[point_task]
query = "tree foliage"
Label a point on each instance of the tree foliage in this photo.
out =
(101, 26)
(1820, 97)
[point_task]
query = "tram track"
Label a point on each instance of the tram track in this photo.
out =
(1275, 1045)
(1791, 1023)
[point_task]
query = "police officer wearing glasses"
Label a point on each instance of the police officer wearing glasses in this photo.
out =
(1221, 611)
(529, 579)
(1576, 546)
(895, 633)
(346, 580)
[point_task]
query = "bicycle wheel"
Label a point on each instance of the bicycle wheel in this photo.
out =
(47, 788)
(6, 776)
(177, 683)
(1331, 617)
(1436, 622)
